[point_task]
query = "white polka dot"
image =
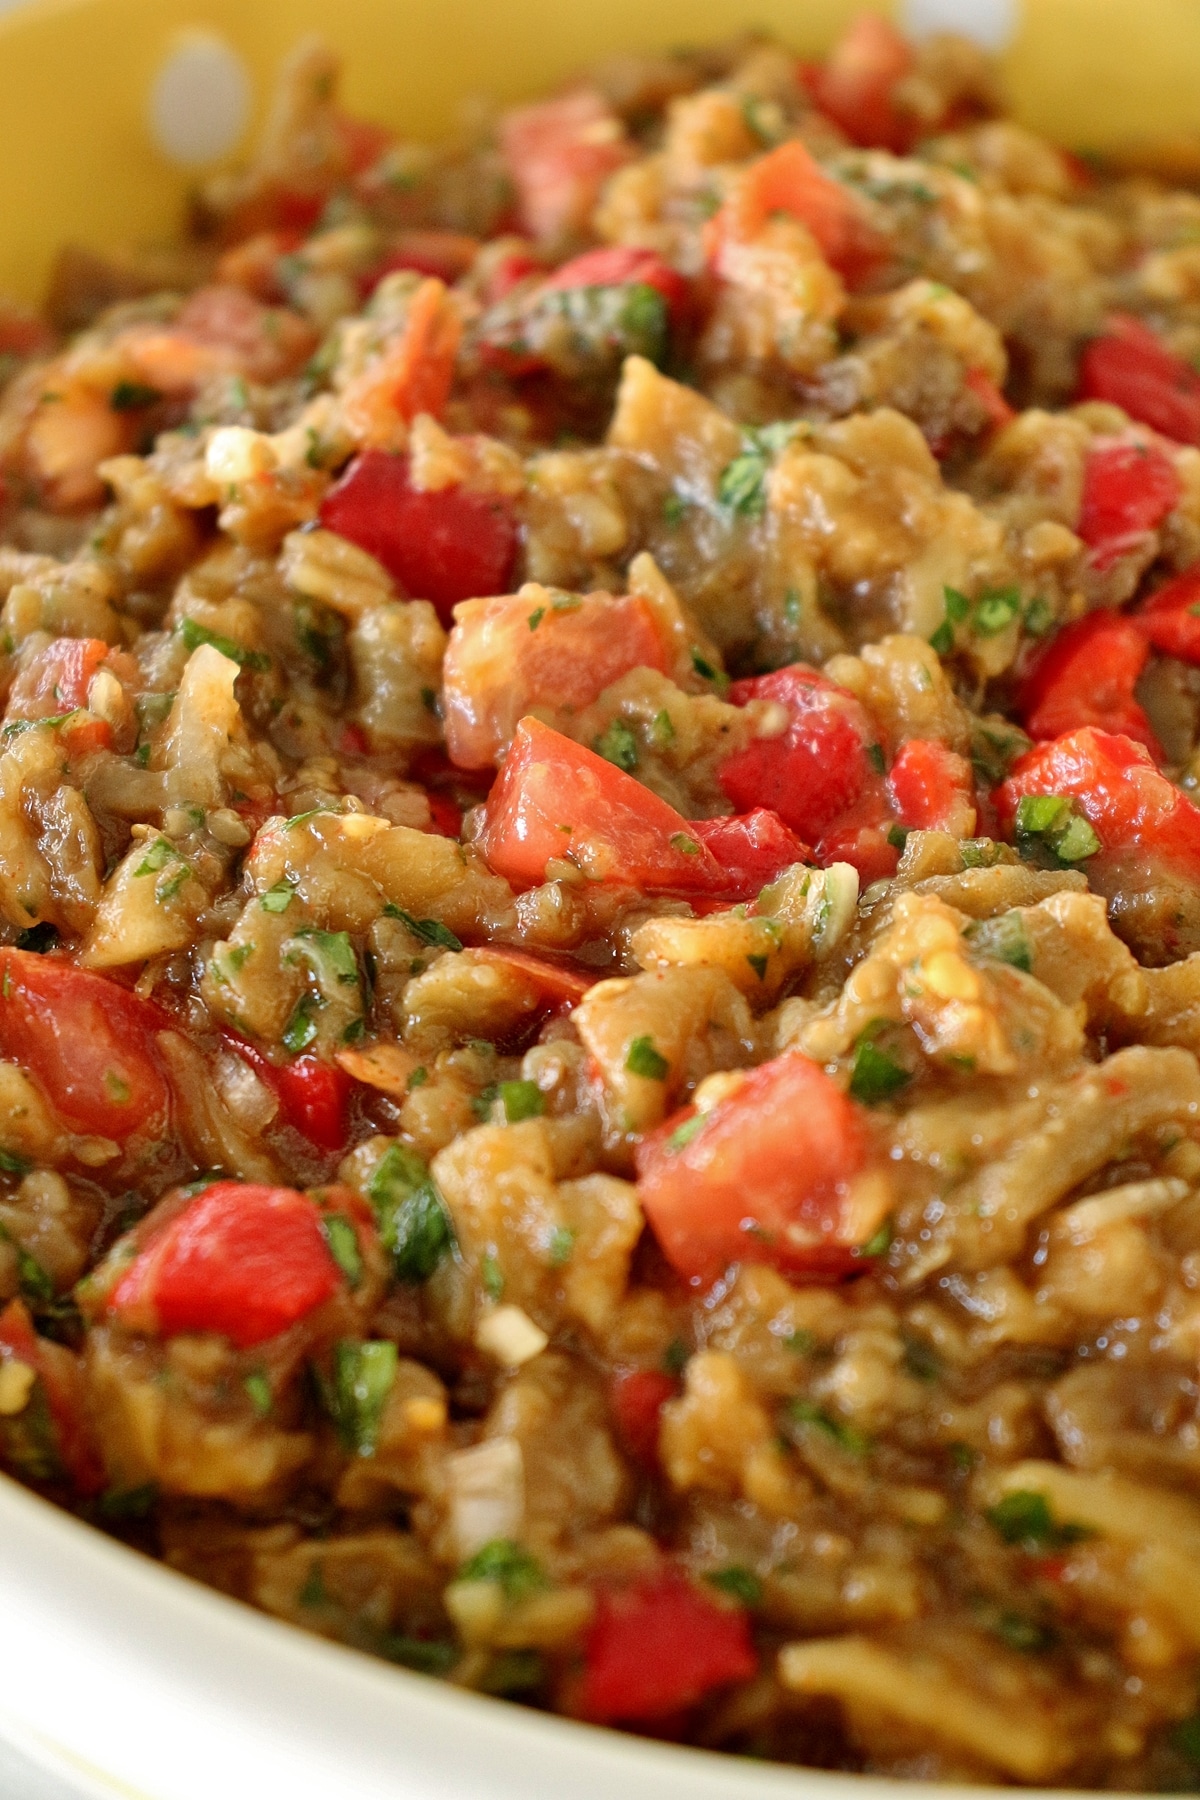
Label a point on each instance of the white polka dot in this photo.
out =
(992, 23)
(200, 100)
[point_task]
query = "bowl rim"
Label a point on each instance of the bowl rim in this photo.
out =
(248, 1690)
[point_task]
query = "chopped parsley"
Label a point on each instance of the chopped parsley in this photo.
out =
(618, 745)
(427, 931)
(342, 1240)
(520, 1100)
(1024, 1517)
(643, 1059)
(414, 1224)
(740, 1583)
(507, 1563)
(1004, 939)
(874, 1075)
(363, 1373)
(194, 635)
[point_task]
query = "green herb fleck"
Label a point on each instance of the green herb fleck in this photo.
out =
(521, 1100)
(683, 1134)
(874, 1075)
(12, 1163)
(194, 635)
(536, 617)
(806, 1412)
(491, 1275)
(428, 931)
(758, 964)
(414, 1224)
(363, 1373)
(685, 845)
(741, 1584)
(342, 1240)
(1004, 939)
(643, 1059)
(618, 745)
(507, 1563)
(39, 938)
(1039, 618)
(675, 1358)
(301, 1029)
(561, 1246)
(1024, 1517)
(277, 899)
(129, 396)
(995, 611)
(674, 508)
(259, 1389)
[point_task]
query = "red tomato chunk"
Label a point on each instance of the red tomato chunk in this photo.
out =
(1130, 367)
(1170, 619)
(1087, 677)
(243, 1260)
(932, 788)
(638, 1397)
(763, 1177)
(660, 1646)
(86, 1041)
(854, 86)
(753, 848)
(1128, 490)
(444, 546)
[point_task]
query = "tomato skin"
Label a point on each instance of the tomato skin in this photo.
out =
(753, 848)
(763, 1180)
(999, 412)
(510, 654)
(62, 1383)
(58, 678)
(243, 1260)
(854, 85)
(313, 1096)
(1131, 367)
(443, 546)
(790, 180)
(88, 1042)
(637, 1397)
(1170, 619)
(932, 788)
(661, 1645)
(822, 775)
(1086, 676)
(1128, 490)
(561, 985)
(445, 816)
(553, 797)
(620, 266)
(1114, 784)
(560, 153)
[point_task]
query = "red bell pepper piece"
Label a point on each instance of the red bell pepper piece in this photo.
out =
(313, 1096)
(823, 775)
(562, 986)
(932, 788)
(753, 848)
(87, 1042)
(1087, 676)
(554, 800)
(854, 85)
(1130, 806)
(638, 1397)
(243, 1260)
(508, 657)
(1170, 619)
(763, 1177)
(560, 153)
(62, 1384)
(444, 546)
(1130, 367)
(622, 265)
(1128, 490)
(999, 412)
(789, 180)
(661, 1645)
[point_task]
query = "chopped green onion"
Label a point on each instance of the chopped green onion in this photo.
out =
(643, 1059)
(521, 1100)
(194, 635)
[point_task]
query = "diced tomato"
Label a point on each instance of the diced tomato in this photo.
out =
(554, 800)
(823, 775)
(446, 254)
(414, 374)
(854, 86)
(1111, 780)
(88, 1043)
(753, 848)
(445, 815)
(362, 143)
(638, 1397)
(789, 180)
(1087, 676)
(1130, 367)
(560, 153)
(509, 272)
(515, 653)
(763, 1178)
(62, 1384)
(621, 266)
(240, 1259)
(263, 341)
(661, 1645)
(1128, 490)
(58, 678)
(445, 546)
(562, 985)
(932, 788)
(999, 412)
(314, 1096)
(1170, 619)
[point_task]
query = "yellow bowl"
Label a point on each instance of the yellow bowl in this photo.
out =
(138, 1682)
(77, 77)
